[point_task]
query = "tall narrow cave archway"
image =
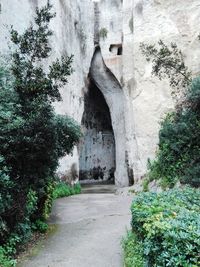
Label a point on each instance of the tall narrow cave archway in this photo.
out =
(97, 149)
(106, 97)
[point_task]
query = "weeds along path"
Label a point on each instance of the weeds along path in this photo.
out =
(89, 232)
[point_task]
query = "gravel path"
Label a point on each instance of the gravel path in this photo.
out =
(90, 228)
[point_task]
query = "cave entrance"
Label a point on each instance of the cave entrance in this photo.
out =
(97, 147)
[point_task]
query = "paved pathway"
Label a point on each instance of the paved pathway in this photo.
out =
(90, 228)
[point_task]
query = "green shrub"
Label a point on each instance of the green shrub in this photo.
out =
(178, 156)
(167, 225)
(133, 251)
(77, 188)
(145, 185)
(40, 226)
(5, 260)
(64, 190)
(46, 207)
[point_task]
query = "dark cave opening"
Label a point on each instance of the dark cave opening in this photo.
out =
(97, 147)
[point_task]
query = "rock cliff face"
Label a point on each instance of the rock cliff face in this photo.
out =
(112, 80)
(171, 21)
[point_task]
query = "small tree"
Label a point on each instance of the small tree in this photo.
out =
(31, 81)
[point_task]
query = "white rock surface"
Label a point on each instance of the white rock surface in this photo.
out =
(172, 21)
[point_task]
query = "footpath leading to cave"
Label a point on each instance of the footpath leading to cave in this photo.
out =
(90, 227)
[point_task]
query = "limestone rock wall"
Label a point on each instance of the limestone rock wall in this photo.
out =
(137, 101)
(114, 97)
(172, 21)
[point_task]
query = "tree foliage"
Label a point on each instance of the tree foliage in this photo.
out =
(178, 156)
(32, 47)
(168, 62)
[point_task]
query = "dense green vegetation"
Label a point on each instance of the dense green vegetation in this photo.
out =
(178, 157)
(133, 251)
(32, 136)
(64, 190)
(165, 229)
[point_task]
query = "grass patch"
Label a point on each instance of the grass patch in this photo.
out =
(64, 190)
(145, 185)
(133, 251)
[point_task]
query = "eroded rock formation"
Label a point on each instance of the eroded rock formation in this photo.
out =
(104, 37)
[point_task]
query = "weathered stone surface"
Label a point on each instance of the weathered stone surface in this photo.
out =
(114, 96)
(118, 27)
(171, 21)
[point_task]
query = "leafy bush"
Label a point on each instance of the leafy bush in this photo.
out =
(179, 147)
(40, 226)
(64, 190)
(133, 251)
(167, 225)
(5, 260)
(178, 157)
(47, 205)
